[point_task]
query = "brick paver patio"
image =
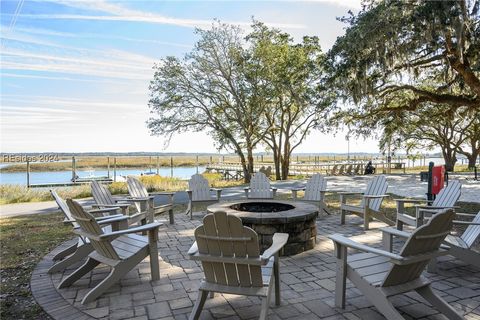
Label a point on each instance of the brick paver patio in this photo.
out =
(308, 285)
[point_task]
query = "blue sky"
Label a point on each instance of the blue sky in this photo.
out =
(75, 74)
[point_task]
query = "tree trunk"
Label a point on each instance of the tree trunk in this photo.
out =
(250, 161)
(246, 174)
(450, 158)
(472, 160)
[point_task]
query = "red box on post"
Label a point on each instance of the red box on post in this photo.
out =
(438, 179)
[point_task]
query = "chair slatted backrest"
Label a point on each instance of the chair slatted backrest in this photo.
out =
(64, 207)
(223, 235)
(425, 239)
(315, 185)
(92, 230)
(357, 169)
(377, 186)
(136, 188)
(260, 186)
(349, 169)
(334, 169)
(448, 195)
(101, 194)
(341, 170)
(200, 188)
(472, 232)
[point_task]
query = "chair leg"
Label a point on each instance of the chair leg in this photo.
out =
(276, 275)
(266, 303)
(88, 266)
(399, 225)
(115, 275)
(366, 218)
(385, 307)
(341, 276)
(66, 252)
(439, 303)
(432, 265)
(171, 216)
(78, 255)
(197, 308)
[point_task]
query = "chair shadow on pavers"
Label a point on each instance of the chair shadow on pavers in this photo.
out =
(232, 263)
(380, 274)
(121, 250)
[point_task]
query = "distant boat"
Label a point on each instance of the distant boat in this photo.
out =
(149, 173)
(90, 177)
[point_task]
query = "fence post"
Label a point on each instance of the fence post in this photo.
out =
(28, 173)
(74, 169)
(114, 169)
(158, 165)
(197, 162)
(149, 164)
(108, 167)
(171, 167)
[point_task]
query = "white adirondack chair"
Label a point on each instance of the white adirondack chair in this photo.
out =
(314, 191)
(232, 263)
(260, 188)
(379, 274)
(460, 247)
(104, 199)
(200, 192)
(121, 250)
(82, 247)
(144, 201)
(371, 201)
(446, 198)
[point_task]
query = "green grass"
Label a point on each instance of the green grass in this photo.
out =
(24, 241)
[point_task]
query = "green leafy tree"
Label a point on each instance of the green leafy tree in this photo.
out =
(290, 74)
(398, 56)
(208, 90)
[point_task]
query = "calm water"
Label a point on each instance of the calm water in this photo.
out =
(65, 176)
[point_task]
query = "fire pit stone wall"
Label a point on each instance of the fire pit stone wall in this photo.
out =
(298, 219)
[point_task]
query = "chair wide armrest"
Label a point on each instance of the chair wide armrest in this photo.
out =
(161, 193)
(376, 196)
(338, 239)
(193, 249)
(109, 209)
(279, 240)
(115, 218)
(348, 192)
(146, 227)
(395, 232)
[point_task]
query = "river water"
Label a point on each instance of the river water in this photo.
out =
(44, 177)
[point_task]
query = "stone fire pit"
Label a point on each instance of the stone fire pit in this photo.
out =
(269, 216)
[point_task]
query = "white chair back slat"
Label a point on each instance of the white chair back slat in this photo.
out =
(200, 188)
(260, 186)
(472, 232)
(223, 240)
(89, 225)
(425, 239)
(377, 186)
(136, 188)
(448, 195)
(101, 194)
(64, 208)
(314, 188)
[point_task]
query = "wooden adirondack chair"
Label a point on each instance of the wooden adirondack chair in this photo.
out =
(357, 169)
(333, 171)
(446, 198)
(459, 246)
(341, 170)
(200, 192)
(260, 188)
(144, 201)
(232, 263)
(104, 199)
(121, 250)
(314, 191)
(371, 201)
(82, 247)
(379, 274)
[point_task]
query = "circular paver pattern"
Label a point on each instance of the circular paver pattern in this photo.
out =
(307, 284)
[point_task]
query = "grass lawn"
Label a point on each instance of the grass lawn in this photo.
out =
(25, 240)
